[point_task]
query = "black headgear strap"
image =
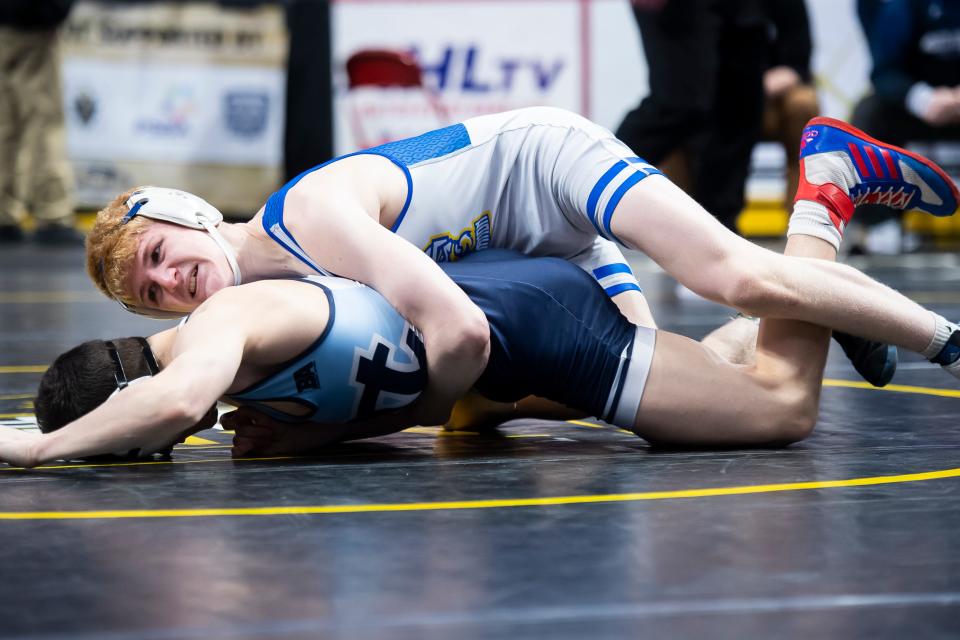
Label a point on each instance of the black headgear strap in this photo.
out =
(122, 382)
(119, 373)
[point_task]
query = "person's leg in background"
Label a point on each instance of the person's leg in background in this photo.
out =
(679, 41)
(48, 178)
(784, 118)
(721, 167)
(11, 208)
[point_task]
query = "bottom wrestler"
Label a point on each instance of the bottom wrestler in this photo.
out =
(338, 356)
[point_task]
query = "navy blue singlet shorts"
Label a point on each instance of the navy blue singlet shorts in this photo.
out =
(555, 333)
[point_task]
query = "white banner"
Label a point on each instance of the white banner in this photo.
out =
(190, 96)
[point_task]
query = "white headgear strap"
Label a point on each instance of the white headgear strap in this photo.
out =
(184, 209)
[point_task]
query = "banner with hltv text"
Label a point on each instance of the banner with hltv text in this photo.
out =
(476, 57)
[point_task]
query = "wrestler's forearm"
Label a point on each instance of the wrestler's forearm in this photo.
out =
(134, 419)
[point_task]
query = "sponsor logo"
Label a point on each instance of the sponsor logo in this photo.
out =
(808, 136)
(449, 247)
(85, 106)
(175, 111)
(466, 70)
(306, 377)
(245, 112)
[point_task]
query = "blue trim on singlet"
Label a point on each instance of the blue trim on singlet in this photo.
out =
(597, 190)
(620, 288)
(273, 210)
(608, 270)
(615, 200)
(603, 226)
(402, 153)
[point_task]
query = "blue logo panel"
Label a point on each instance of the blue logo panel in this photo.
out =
(432, 144)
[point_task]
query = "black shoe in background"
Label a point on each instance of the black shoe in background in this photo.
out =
(10, 234)
(56, 235)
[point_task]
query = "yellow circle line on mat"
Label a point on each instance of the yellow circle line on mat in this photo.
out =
(896, 388)
(473, 504)
(18, 396)
(27, 368)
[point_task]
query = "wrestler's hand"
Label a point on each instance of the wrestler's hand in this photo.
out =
(943, 108)
(16, 447)
(258, 434)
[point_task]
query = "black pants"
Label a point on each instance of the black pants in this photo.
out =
(706, 60)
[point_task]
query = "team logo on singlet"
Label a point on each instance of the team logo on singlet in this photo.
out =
(450, 247)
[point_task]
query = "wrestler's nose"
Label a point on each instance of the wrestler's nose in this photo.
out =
(166, 277)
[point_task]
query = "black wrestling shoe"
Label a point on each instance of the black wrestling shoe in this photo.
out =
(874, 361)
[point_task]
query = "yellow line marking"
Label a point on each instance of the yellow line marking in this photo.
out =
(582, 423)
(473, 504)
(15, 415)
(17, 396)
(194, 440)
(896, 388)
(432, 431)
(24, 369)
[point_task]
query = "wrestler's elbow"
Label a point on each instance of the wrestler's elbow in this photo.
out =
(468, 336)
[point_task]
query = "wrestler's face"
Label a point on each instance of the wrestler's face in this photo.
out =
(176, 268)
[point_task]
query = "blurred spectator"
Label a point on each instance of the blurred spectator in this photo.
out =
(703, 115)
(791, 99)
(915, 46)
(35, 173)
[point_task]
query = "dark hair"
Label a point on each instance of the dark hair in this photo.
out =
(83, 378)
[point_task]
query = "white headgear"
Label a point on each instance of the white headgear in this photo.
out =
(186, 210)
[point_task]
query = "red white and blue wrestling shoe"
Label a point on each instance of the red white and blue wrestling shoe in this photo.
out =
(841, 167)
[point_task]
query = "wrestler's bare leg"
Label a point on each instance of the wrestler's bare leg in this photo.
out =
(633, 305)
(695, 397)
(676, 232)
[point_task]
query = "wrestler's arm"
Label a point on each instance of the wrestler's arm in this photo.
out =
(356, 246)
(151, 415)
(259, 434)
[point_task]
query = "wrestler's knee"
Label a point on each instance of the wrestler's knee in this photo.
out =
(753, 287)
(792, 416)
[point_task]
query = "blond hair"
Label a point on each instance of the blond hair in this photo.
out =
(112, 247)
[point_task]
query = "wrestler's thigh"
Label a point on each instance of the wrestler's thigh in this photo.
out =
(695, 397)
(633, 305)
(661, 220)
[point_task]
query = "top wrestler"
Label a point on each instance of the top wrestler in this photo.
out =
(541, 181)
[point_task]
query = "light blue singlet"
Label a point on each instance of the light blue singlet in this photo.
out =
(368, 359)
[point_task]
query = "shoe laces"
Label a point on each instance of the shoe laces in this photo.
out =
(891, 196)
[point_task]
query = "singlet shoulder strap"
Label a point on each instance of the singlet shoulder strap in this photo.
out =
(273, 225)
(273, 210)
